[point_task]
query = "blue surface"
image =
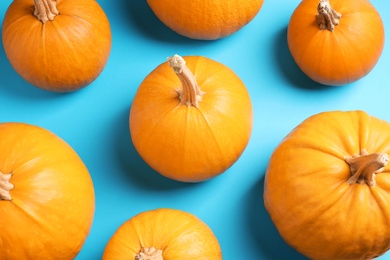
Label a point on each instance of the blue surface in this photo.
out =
(94, 121)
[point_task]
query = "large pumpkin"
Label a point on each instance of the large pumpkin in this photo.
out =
(327, 186)
(336, 42)
(163, 233)
(47, 198)
(205, 19)
(57, 45)
(191, 118)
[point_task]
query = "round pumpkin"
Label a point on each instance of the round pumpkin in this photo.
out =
(191, 118)
(335, 42)
(163, 233)
(57, 45)
(47, 197)
(205, 19)
(327, 186)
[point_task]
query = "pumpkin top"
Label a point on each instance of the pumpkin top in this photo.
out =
(163, 233)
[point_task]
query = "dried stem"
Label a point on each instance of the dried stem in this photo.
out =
(191, 93)
(149, 254)
(327, 17)
(363, 167)
(5, 186)
(45, 10)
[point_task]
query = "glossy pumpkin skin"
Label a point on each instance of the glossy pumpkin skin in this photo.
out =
(179, 234)
(61, 55)
(188, 143)
(343, 55)
(53, 203)
(205, 19)
(307, 195)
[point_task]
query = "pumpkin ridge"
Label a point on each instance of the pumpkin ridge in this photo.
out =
(31, 215)
(353, 48)
(338, 47)
(41, 226)
(161, 119)
(218, 146)
(299, 137)
(16, 22)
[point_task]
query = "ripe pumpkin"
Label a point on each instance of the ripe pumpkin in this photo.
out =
(191, 118)
(336, 42)
(327, 186)
(57, 45)
(163, 234)
(47, 197)
(205, 19)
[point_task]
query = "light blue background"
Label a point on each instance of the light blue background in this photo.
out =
(94, 121)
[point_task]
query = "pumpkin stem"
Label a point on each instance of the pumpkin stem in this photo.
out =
(45, 10)
(5, 186)
(363, 167)
(191, 93)
(149, 254)
(327, 17)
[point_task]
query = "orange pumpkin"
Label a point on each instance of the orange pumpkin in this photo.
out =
(327, 186)
(47, 198)
(163, 234)
(57, 45)
(337, 42)
(191, 118)
(205, 19)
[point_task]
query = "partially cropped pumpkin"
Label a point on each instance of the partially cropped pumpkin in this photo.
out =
(163, 233)
(60, 45)
(205, 19)
(336, 42)
(327, 186)
(191, 118)
(47, 199)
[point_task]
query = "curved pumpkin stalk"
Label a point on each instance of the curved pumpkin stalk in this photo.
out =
(191, 93)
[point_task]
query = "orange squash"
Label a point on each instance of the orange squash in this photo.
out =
(336, 42)
(47, 197)
(57, 45)
(163, 233)
(205, 19)
(191, 118)
(327, 186)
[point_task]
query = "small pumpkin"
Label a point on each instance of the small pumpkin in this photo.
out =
(327, 186)
(336, 42)
(191, 118)
(205, 19)
(47, 199)
(57, 45)
(163, 234)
